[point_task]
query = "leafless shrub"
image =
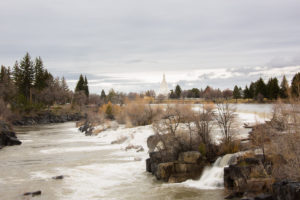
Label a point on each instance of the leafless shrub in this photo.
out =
(284, 147)
(175, 130)
(5, 113)
(285, 151)
(225, 118)
(139, 113)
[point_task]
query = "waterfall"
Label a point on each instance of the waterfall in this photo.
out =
(213, 177)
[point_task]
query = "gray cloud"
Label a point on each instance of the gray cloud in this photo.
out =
(101, 37)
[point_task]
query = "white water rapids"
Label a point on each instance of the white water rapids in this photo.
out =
(212, 177)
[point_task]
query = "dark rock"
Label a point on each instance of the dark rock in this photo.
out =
(234, 195)
(148, 165)
(285, 190)
(7, 136)
(58, 177)
(264, 197)
(164, 171)
(36, 193)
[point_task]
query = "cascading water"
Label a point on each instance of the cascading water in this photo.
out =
(212, 177)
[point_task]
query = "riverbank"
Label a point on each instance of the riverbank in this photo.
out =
(47, 117)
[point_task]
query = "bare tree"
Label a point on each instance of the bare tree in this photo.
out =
(225, 118)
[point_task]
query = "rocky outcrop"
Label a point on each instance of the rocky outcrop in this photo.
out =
(7, 136)
(86, 128)
(47, 118)
(173, 169)
(248, 176)
(285, 190)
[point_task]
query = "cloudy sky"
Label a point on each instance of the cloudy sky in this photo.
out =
(129, 44)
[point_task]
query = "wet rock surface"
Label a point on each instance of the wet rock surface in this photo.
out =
(7, 136)
(286, 190)
(171, 168)
(36, 193)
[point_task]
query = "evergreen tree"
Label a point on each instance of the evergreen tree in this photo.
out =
(295, 86)
(247, 94)
(252, 89)
(64, 85)
(112, 96)
(284, 88)
(27, 75)
(195, 93)
(80, 84)
(86, 87)
(103, 95)
(172, 95)
(40, 82)
(7, 89)
(272, 88)
(236, 93)
(178, 91)
(260, 89)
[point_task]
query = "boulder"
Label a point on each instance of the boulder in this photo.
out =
(285, 190)
(148, 165)
(36, 193)
(257, 185)
(189, 157)
(237, 175)
(7, 136)
(58, 177)
(164, 171)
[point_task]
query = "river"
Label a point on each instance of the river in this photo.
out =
(92, 167)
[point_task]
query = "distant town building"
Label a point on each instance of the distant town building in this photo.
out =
(163, 90)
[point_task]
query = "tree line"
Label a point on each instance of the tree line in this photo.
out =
(258, 90)
(29, 86)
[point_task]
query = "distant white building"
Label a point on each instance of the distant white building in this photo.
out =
(163, 90)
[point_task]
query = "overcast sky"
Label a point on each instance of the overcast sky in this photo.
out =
(129, 44)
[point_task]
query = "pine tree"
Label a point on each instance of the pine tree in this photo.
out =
(236, 93)
(284, 88)
(172, 95)
(178, 91)
(247, 93)
(80, 84)
(272, 88)
(103, 95)
(252, 89)
(27, 75)
(64, 85)
(260, 89)
(86, 87)
(39, 82)
(295, 86)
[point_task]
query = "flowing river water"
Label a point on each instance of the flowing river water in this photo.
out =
(92, 167)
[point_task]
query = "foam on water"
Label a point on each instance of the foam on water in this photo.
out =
(212, 177)
(77, 149)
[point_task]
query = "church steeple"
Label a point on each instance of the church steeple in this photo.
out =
(164, 87)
